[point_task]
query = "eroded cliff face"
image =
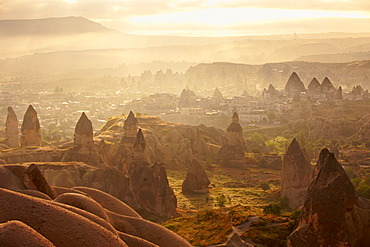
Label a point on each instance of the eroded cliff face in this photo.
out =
(332, 214)
(174, 145)
(30, 130)
(325, 128)
(295, 175)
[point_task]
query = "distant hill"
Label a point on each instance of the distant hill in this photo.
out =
(50, 26)
(336, 58)
(80, 39)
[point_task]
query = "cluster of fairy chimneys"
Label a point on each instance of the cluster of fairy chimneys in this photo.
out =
(31, 131)
(295, 85)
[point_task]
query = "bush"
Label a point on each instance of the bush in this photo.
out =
(364, 190)
(272, 209)
(221, 200)
(265, 186)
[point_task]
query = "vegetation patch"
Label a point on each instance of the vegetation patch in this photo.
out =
(205, 228)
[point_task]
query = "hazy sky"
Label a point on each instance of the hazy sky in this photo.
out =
(204, 17)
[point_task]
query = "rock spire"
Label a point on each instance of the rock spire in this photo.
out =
(30, 130)
(11, 129)
(294, 85)
(295, 175)
(332, 214)
(83, 132)
(196, 180)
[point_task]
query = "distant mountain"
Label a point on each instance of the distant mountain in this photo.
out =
(74, 34)
(336, 58)
(50, 26)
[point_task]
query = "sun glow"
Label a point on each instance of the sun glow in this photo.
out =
(222, 17)
(69, 1)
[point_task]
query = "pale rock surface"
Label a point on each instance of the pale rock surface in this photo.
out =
(295, 175)
(30, 130)
(196, 180)
(11, 129)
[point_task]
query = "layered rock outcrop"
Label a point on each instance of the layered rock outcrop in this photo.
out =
(327, 128)
(295, 175)
(11, 129)
(332, 214)
(232, 152)
(77, 217)
(30, 130)
(364, 128)
(196, 180)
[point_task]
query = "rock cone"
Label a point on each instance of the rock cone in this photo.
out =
(314, 85)
(295, 175)
(11, 129)
(196, 180)
(232, 152)
(332, 215)
(83, 132)
(294, 85)
(30, 130)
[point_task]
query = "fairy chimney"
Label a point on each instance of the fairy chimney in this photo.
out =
(139, 146)
(11, 129)
(83, 132)
(295, 175)
(30, 130)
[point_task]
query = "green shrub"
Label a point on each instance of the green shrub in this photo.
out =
(364, 190)
(265, 186)
(272, 209)
(221, 200)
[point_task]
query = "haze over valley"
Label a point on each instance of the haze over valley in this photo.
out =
(184, 123)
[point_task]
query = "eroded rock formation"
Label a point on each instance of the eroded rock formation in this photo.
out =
(78, 216)
(11, 129)
(84, 149)
(151, 190)
(30, 130)
(232, 152)
(295, 175)
(196, 180)
(327, 86)
(149, 184)
(314, 86)
(332, 214)
(294, 85)
(83, 132)
(125, 152)
(217, 94)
